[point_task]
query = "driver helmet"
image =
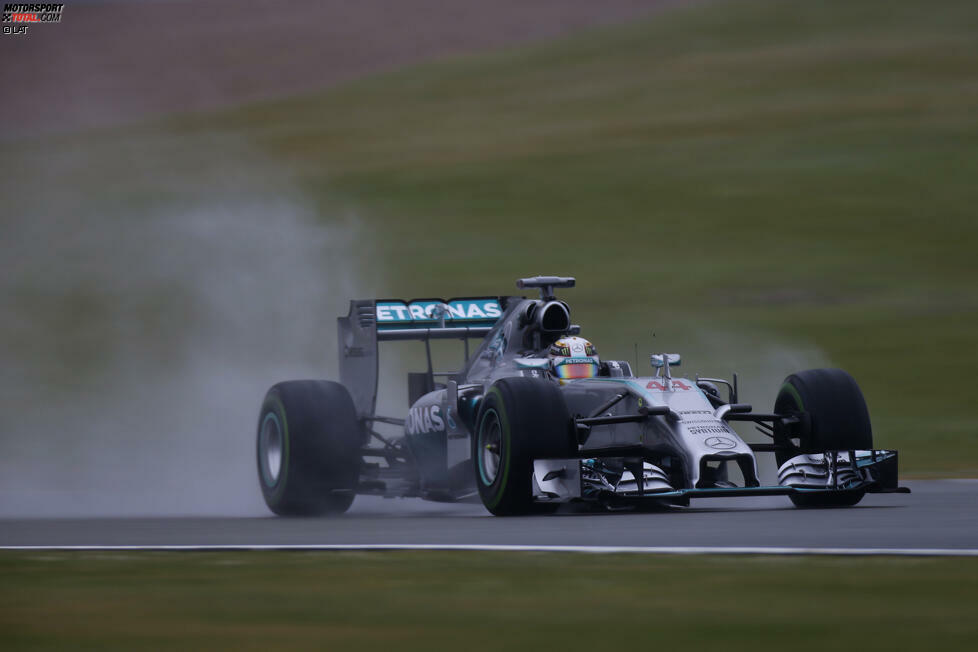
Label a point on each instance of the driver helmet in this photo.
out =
(572, 358)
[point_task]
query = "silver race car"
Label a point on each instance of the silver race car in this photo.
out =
(535, 418)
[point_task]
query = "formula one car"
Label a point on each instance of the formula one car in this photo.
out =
(534, 418)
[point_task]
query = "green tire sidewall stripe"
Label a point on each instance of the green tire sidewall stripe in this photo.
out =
(276, 406)
(504, 460)
(788, 387)
(480, 444)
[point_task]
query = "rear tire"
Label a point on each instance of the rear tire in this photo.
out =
(839, 421)
(308, 448)
(520, 419)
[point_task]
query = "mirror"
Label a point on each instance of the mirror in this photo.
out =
(659, 359)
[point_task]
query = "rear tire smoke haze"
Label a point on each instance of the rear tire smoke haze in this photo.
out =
(137, 344)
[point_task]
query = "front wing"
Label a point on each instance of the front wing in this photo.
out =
(563, 480)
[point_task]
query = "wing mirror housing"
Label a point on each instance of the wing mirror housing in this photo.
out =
(659, 360)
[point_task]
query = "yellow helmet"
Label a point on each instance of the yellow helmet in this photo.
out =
(572, 358)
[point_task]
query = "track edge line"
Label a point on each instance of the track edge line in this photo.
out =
(661, 550)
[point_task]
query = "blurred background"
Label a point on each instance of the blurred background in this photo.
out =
(192, 191)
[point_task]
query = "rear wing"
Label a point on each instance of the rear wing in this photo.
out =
(423, 319)
(375, 320)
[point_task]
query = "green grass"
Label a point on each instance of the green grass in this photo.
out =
(482, 601)
(766, 185)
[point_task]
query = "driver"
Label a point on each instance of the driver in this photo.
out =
(572, 358)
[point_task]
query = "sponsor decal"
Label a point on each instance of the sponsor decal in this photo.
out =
(18, 16)
(432, 310)
(711, 429)
(721, 443)
(577, 361)
(424, 419)
(660, 386)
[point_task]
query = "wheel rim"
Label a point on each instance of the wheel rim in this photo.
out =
(270, 447)
(490, 444)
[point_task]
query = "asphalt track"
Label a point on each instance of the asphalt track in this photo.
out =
(938, 515)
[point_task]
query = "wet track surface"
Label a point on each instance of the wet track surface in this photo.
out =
(938, 514)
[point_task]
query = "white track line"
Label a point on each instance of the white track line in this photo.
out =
(658, 550)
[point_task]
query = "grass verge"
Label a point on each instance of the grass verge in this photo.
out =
(482, 601)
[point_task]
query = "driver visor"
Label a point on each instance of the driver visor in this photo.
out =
(571, 370)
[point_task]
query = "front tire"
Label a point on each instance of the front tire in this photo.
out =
(308, 448)
(519, 420)
(839, 421)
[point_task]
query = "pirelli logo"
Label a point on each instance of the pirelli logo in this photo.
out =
(18, 16)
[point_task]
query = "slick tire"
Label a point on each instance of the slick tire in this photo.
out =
(837, 420)
(519, 419)
(308, 448)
